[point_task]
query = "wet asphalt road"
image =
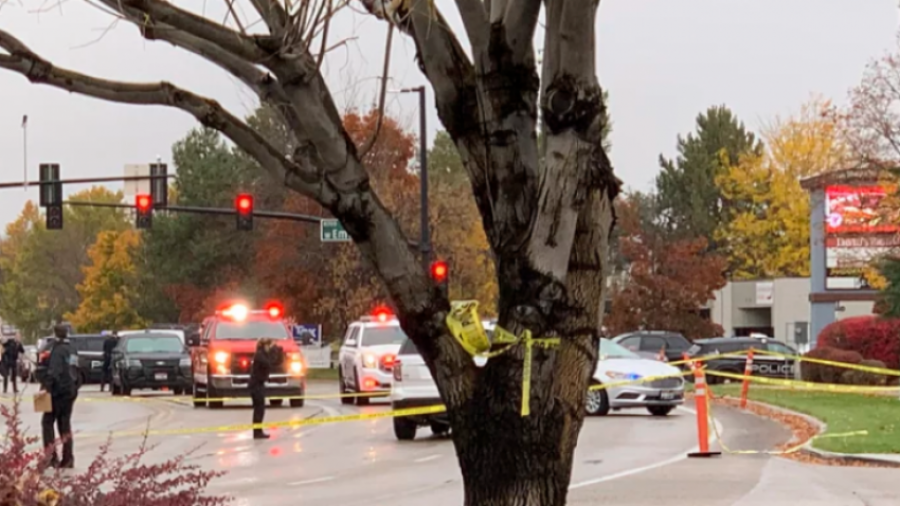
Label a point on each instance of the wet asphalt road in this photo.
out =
(627, 458)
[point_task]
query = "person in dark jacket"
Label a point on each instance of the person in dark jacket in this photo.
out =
(267, 358)
(9, 362)
(109, 344)
(61, 383)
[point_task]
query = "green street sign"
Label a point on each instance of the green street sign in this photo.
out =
(331, 230)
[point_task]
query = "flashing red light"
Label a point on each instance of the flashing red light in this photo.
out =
(244, 363)
(143, 202)
(439, 270)
(369, 383)
(275, 310)
(388, 360)
(244, 202)
(382, 314)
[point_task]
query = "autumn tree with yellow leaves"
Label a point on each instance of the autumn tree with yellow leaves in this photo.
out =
(766, 230)
(107, 292)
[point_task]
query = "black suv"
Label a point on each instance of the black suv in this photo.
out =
(770, 366)
(650, 342)
(89, 350)
(151, 360)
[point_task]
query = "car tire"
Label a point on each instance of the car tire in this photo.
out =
(660, 410)
(404, 428)
(178, 391)
(345, 399)
(297, 403)
(212, 394)
(126, 390)
(362, 400)
(199, 402)
(275, 403)
(597, 402)
(440, 429)
(114, 389)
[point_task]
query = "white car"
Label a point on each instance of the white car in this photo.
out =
(618, 364)
(367, 355)
(413, 387)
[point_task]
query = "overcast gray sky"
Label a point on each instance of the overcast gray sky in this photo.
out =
(663, 61)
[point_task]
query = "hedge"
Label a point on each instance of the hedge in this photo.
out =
(820, 373)
(873, 337)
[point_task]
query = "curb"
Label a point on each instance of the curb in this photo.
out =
(821, 428)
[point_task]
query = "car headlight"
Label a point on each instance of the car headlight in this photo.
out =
(133, 362)
(185, 362)
(622, 376)
(370, 361)
(296, 367)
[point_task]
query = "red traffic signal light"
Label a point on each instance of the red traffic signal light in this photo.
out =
(142, 202)
(439, 271)
(245, 203)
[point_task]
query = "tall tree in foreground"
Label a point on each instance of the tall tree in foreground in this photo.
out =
(668, 281)
(689, 200)
(547, 213)
(765, 232)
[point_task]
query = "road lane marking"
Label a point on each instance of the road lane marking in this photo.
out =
(637, 470)
(428, 458)
(310, 482)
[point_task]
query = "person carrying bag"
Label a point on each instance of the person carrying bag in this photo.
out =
(61, 382)
(268, 357)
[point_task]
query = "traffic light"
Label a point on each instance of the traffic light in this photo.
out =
(244, 205)
(143, 205)
(51, 195)
(159, 185)
(440, 274)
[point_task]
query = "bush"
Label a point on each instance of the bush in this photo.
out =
(856, 377)
(107, 481)
(821, 373)
(873, 337)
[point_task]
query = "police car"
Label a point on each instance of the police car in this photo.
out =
(770, 366)
(367, 355)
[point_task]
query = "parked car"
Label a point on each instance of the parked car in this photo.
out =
(770, 366)
(89, 350)
(649, 343)
(617, 365)
(151, 360)
(367, 355)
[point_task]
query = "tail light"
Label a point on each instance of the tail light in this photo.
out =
(398, 371)
(387, 362)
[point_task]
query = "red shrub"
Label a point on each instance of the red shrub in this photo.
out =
(873, 337)
(821, 373)
(108, 481)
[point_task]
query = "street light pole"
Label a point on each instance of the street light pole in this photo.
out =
(25, 152)
(424, 226)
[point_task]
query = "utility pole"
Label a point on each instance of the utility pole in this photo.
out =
(424, 227)
(25, 152)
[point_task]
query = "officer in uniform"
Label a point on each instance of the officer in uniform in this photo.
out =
(267, 358)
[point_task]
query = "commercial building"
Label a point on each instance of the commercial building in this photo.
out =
(776, 307)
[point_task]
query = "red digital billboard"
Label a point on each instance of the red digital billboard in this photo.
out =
(858, 209)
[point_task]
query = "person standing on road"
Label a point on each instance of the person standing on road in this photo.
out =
(109, 344)
(61, 383)
(267, 358)
(9, 362)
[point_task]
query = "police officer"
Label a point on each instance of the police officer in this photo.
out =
(109, 344)
(267, 358)
(61, 382)
(9, 362)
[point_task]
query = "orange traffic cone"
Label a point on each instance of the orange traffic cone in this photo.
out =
(745, 387)
(701, 391)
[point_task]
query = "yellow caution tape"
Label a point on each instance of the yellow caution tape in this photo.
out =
(465, 326)
(805, 385)
(645, 379)
(427, 410)
(865, 368)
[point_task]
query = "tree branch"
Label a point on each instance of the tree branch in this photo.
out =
(475, 21)
(519, 23)
(24, 61)
(273, 14)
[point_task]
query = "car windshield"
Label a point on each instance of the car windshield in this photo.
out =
(251, 329)
(609, 349)
(154, 344)
(376, 336)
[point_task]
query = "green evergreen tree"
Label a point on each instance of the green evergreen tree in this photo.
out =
(690, 204)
